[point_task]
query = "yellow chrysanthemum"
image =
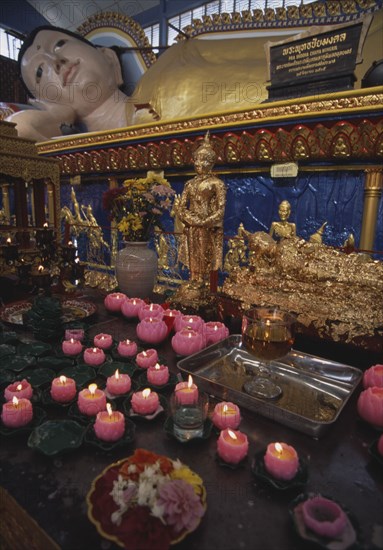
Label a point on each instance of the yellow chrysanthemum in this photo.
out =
(190, 477)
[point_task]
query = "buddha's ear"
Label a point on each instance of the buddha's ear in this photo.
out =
(113, 59)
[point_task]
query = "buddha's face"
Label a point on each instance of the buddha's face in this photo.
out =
(59, 68)
(202, 164)
(284, 211)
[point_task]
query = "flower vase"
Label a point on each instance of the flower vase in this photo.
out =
(136, 269)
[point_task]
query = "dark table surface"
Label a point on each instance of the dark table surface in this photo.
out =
(242, 513)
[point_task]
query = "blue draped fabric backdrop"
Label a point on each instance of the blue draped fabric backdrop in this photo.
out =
(335, 197)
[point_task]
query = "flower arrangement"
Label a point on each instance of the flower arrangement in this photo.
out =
(137, 207)
(147, 501)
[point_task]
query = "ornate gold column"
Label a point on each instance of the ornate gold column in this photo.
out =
(5, 194)
(373, 186)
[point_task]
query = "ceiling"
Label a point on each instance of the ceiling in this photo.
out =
(71, 14)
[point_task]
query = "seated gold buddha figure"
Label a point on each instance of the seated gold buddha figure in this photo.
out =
(283, 229)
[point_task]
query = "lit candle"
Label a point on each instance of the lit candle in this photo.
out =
(152, 330)
(158, 375)
(127, 348)
(194, 322)
(113, 302)
(215, 331)
(232, 446)
(91, 400)
(226, 415)
(150, 310)
(75, 333)
(145, 402)
(370, 406)
(324, 516)
(131, 307)
(373, 376)
(146, 359)
(186, 392)
(118, 384)
(103, 341)
(41, 277)
(19, 389)
(281, 461)
(17, 413)
(109, 425)
(72, 347)
(94, 356)
(63, 389)
(187, 342)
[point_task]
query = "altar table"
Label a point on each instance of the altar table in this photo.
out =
(241, 512)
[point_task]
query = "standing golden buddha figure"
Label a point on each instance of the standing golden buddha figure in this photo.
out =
(201, 209)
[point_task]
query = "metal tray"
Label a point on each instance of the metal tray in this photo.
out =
(314, 390)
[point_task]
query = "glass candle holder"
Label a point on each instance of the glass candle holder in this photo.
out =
(189, 418)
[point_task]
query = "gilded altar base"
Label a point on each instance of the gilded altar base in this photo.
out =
(336, 296)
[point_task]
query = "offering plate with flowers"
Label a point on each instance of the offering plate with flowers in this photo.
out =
(146, 501)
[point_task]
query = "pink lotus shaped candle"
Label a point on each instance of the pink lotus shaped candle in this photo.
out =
(152, 330)
(215, 331)
(114, 301)
(127, 348)
(109, 425)
(63, 389)
(103, 341)
(170, 315)
(146, 359)
(324, 516)
(150, 310)
(370, 406)
(194, 322)
(145, 402)
(20, 389)
(94, 356)
(186, 392)
(158, 375)
(91, 400)
(17, 413)
(71, 347)
(373, 377)
(232, 446)
(131, 307)
(187, 342)
(226, 415)
(118, 384)
(281, 461)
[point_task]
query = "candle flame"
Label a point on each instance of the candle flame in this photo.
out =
(92, 388)
(146, 392)
(62, 379)
(151, 307)
(134, 302)
(15, 401)
(9, 240)
(191, 320)
(72, 340)
(144, 354)
(278, 448)
(150, 319)
(225, 409)
(109, 409)
(19, 387)
(189, 335)
(232, 434)
(94, 350)
(190, 381)
(45, 224)
(40, 269)
(117, 374)
(157, 366)
(215, 327)
(70, 243)
(127, 342)
(77, 260)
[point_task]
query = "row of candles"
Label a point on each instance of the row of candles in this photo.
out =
(192, 333)
(281, 460)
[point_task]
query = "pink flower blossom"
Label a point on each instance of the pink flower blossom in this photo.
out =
(182, 507)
